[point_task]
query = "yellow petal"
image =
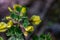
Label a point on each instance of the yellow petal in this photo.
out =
(35, 18)
(10, 9)
(25, 33)
(9, 24)
(4, 30)
(29, 29)
(36, 23)
(3, 25)
(23, 10)
(8, 17)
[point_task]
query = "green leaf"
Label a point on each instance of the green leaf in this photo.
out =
(46, 36)
(42, 36)
(1, 38)
(25, 22)
(15, 38)
(35, 37)
(15, 16)
(12, 38)
(13, 31)
(18, 9)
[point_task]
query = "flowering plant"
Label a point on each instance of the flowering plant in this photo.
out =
(18, 24)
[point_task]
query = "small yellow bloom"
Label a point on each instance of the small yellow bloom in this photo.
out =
(36, 22)
(8, 17)
(3, 30)
(29, 28)
(25, 33)
(3, 25)
(10, 9)
(23, 10)
(9, 24)
(35, 19)
(16, 6)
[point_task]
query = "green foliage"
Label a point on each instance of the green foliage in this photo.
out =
(18, 9)
(1, 38)
(15, 33)
(25, 22)
(35, 37)
(15, 16)
(42, 37)
(46, 36)
(16, 38)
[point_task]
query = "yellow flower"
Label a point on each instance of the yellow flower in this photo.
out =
(10, 9)
(25, 33)
(23, 10)
(8, 17)
(35, 19)
(9, 24)
(36, 22)
(16, 6)
(3, 30)
(3, 25)
(29, 28)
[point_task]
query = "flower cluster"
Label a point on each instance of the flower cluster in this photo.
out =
(18, 8)
(4, 26)
(18, 15)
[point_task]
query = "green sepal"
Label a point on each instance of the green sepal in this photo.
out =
(18, 9)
